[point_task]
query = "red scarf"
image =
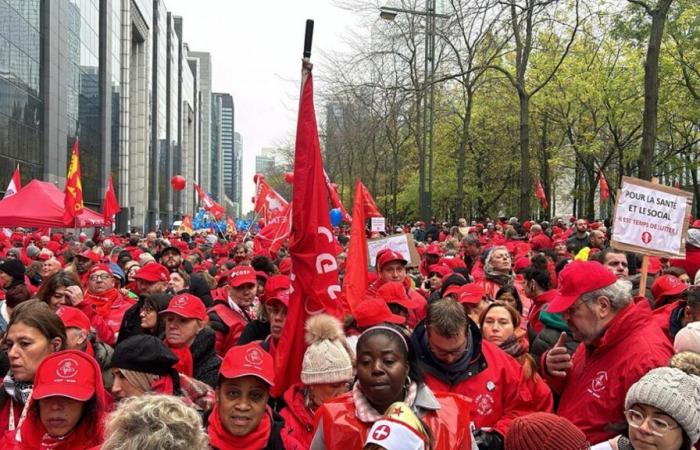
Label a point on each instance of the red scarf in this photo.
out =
(102, 302)
(184, 364)
(221, 439)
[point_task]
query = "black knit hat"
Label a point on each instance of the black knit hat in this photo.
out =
(14, 268)
(143, 353)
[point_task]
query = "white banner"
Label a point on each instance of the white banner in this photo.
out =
(651, 218)
(378, 224)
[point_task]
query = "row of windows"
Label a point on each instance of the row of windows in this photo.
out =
(17, 67)
(20, 142)
(28, 10)
(19, 31)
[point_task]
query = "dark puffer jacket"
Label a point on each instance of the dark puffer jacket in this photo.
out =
(205, 361)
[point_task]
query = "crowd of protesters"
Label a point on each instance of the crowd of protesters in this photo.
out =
(505, 335)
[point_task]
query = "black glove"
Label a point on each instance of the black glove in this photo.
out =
(488, 440)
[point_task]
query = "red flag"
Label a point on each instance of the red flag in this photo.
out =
(110, 206)
(315, 286)
(539, 193)
(355, 281)
(335, 198)
(270, 239)
(370, 207)
(268, 203)
(15, 184)
(208, 203)
(73, 202)
(604, 189)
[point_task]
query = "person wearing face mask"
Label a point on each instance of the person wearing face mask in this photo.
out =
(326, 372)
(67, 407)
(229, 317)
(187, 336)
(241, 418)
(662, 410)
(34, 332)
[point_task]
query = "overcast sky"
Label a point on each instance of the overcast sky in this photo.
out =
(256, 49)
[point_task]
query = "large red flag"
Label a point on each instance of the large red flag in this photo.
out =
(370, 207)
(15, 184)
(355, 281)
(539, 193)
(268, 203)
(604, 189)
(315, 286)
(110, 206)
(271, 238)
(73, 202)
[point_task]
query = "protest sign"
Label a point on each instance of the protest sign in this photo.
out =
(651, 219)
(402, 243)
(378, 224)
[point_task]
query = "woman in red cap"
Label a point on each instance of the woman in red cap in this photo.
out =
(67, 407)
(187, 336)
(388, 372)
(34, 332)
(241, 418)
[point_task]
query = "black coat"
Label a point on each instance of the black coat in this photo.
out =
(205, 361)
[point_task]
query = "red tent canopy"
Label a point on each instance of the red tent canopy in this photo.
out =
(40, 204)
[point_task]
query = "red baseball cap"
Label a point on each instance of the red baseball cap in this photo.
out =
(387, 256)
(73, 318)
(248, 360)
(281, 295)
(277, 282)
(395, 292)
(261, 274)
(152, 273)
(286, 266)
(241, 275)
(98, 267)
(439, 269)
(68, 373)
(576, 279)
(665, 286)
(433, 249)
(188, 306)
(452, 289)
(453, 263)
(373, 311)
(471, 294)
(89, 254)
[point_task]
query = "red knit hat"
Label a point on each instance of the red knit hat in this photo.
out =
(544, 431)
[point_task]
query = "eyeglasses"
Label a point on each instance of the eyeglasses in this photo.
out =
(658, 427)
(103, 277)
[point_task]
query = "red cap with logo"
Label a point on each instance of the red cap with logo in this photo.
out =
(241, 275)
(248, 360)
(153, 273)
(471, 294)
(576, 279)
(280, 295)
(387, 256)
(277, 282)
(73, 318)
(68, 373)
(666, 286)
(188, 306)
(395, 292)
(373, 311)
(439, 269)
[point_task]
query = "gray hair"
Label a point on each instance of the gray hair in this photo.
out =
(471, 240)
(154, 422)
(619, 293)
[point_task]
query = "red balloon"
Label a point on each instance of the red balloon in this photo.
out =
(289, 177)
(178, 182)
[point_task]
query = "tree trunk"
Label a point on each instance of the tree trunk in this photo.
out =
(545, 165)
(524, 205)
(651, 88)
(461, 155)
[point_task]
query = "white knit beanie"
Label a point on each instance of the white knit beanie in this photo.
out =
(672, 391)
(327, 358)
(688, 339)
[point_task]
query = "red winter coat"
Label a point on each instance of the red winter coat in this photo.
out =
(493, 381)
(338, 428)
(669, 317)
(228, 325)
(298, 420)
(593, 393)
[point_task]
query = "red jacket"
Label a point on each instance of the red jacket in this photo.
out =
(338, 428)
(593, 393)
(493, 381)
(298, 419)
(228, 325)
(538, 302)
(668, 318)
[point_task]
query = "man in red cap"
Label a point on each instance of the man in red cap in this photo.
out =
(620, 343)
(671, 311)
(241, 418)
(430, 257)
(228, 317)
(150, 279)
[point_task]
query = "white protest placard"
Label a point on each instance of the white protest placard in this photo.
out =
(402, 243)
(378, 224)
(650, 218)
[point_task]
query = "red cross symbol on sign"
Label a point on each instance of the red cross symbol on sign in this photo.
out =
(382, 432)
(646, 237)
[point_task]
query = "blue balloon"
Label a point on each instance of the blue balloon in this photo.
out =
(336, 216)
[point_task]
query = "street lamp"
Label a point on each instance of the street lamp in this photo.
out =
(425, 147)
